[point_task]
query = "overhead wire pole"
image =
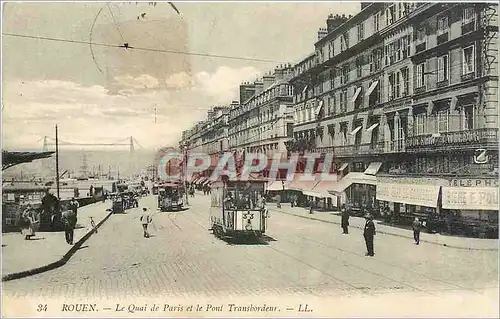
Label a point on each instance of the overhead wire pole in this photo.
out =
(57, 164)
(185, 173)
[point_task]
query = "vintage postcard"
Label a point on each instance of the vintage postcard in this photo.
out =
(250, 159)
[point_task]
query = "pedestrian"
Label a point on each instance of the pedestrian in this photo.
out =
(278, 201)
(417, 226)
(69, 220)
(73, 206)
(28, 221)
(146, 220)
(369, 233)
(345, 220)
(311, 207)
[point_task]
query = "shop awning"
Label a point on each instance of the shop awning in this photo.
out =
(413, 194)
(470, 198)
(343, 167)
(319, 107)
(372, 87)
(373, 168)
(361, 178)
(201, 180)
(299, 184)
(351, 178)
(10, 159)
(356, 94)
(277, 185)
(206, 182)
(356, 130)
(194, 179)
(372, 127)
(321, 189)
(338, 188)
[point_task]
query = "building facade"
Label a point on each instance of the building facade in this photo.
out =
(263, 121)
(209, 136)
(405, 98)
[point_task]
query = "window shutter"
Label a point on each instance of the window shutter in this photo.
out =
(464, 63)
(440, 68)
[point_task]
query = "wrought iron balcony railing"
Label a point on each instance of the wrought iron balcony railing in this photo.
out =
(450, 139)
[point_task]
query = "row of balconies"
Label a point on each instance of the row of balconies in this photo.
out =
(477, 138)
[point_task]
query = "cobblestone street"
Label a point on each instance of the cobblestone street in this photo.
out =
(299, 256)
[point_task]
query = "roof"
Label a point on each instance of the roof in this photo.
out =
(170, 185)
(10, 159)
(24, 187)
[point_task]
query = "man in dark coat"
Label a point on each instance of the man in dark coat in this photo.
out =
(417, 225)
(345, 220)
(69, 220)
(369, 233)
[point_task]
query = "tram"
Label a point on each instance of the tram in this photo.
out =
(170, 197)
(238, 208)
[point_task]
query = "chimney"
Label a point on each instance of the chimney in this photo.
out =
(247, 90)
(259, 87)
(268, 80)
(283, 72)
(322, 32)
(333, 22)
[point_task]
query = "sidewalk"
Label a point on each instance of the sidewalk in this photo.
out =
(47, 250)
(358, 222)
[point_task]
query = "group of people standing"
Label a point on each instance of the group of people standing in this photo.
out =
(29, 220)
(370, 231)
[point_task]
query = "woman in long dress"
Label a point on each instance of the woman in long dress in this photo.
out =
(29, 222)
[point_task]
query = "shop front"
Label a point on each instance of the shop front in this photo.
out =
(402, 199)
(470, 207)
(301, 186)
(320, 192)
(278, 187)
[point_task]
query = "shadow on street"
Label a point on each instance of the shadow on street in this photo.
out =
(248, 240)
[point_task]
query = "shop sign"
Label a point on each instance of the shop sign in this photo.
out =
(473, 182)
(480, 198)
(413, 194)
(412, 180)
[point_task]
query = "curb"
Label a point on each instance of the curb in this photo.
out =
(58, 263)
(386, 233)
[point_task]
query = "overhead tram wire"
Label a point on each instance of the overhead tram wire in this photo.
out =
(127, 47)
(116, 23)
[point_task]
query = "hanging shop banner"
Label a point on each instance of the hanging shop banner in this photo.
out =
(470, 198)
(421, 195)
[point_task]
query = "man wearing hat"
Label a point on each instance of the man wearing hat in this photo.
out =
(369, 233)
(145, 220)
(417, 225)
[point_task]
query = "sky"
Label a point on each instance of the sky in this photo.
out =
(98, 94)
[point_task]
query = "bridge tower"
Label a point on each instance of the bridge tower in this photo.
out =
(47, 164)
(131, 165)
(131, 145)
(45, 146)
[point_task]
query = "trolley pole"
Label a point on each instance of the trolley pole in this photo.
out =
(57, 164)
